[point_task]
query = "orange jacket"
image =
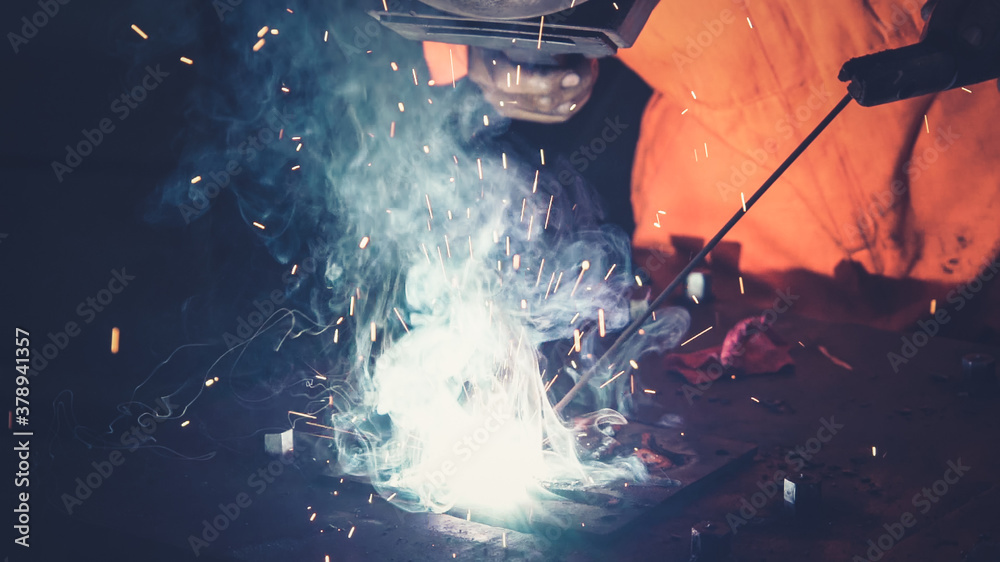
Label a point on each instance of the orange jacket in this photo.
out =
(905, 190)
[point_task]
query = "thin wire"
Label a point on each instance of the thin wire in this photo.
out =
(697, 259)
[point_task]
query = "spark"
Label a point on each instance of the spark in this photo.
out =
(196, 179)
(631, 383)
(312, 517)
(695, 299)
(186, 60)
(352, 306)
(541, 151)
(336, 335)
(470, 248)
(600, 321)
(258, 225)
(209, 382)
(517, 262)
(479, 165)
(296, 167)
(706, 150)
(373, 331)
(350, 533)
(534, 186)
(517, 79)
(873, 451)
(933, 306)
(389, 499)
(967, 90)
(692, 95)
(577, 337)
(370, 496)
(541, 267)
(927, 124)
(326, 36)
(447, 246)
(293, 412)
(503, 158)
(696, 336)
(541, 26)
(551, 382)
(583, 269)
(505, 533)
(531, 224)
(744, 201)
(609, 381)
(741, 285)
(638, 281)
(649, 391)
(258, 45)
(486, 120)
(141, 33)
(754, 399)
(548, 212)
(451, 57)
(749, 22)
(524, 202)
(185, 423)
(415, 81)
(114, 340)
(398, 315)
(683, 112)
(274, 32)
(610, 270)
(364, 243)
(262, 31)
(633, 364)
(394, 66)
(401, 107)
(427, 149)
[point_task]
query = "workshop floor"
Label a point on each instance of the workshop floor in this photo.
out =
(917, 420)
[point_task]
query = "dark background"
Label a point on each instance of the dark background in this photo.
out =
(63, 239)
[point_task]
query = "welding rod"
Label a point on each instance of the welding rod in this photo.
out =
(700, 256)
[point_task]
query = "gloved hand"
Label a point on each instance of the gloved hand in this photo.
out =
(545, 93)
(960, 46)
(974, 31)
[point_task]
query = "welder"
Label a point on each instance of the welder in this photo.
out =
(894, 206)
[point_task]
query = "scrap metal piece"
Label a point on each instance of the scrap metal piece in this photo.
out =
(803, 496)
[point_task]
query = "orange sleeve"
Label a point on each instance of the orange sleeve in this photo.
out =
(447, 63)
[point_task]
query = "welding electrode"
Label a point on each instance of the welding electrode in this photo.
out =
(700, 256)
